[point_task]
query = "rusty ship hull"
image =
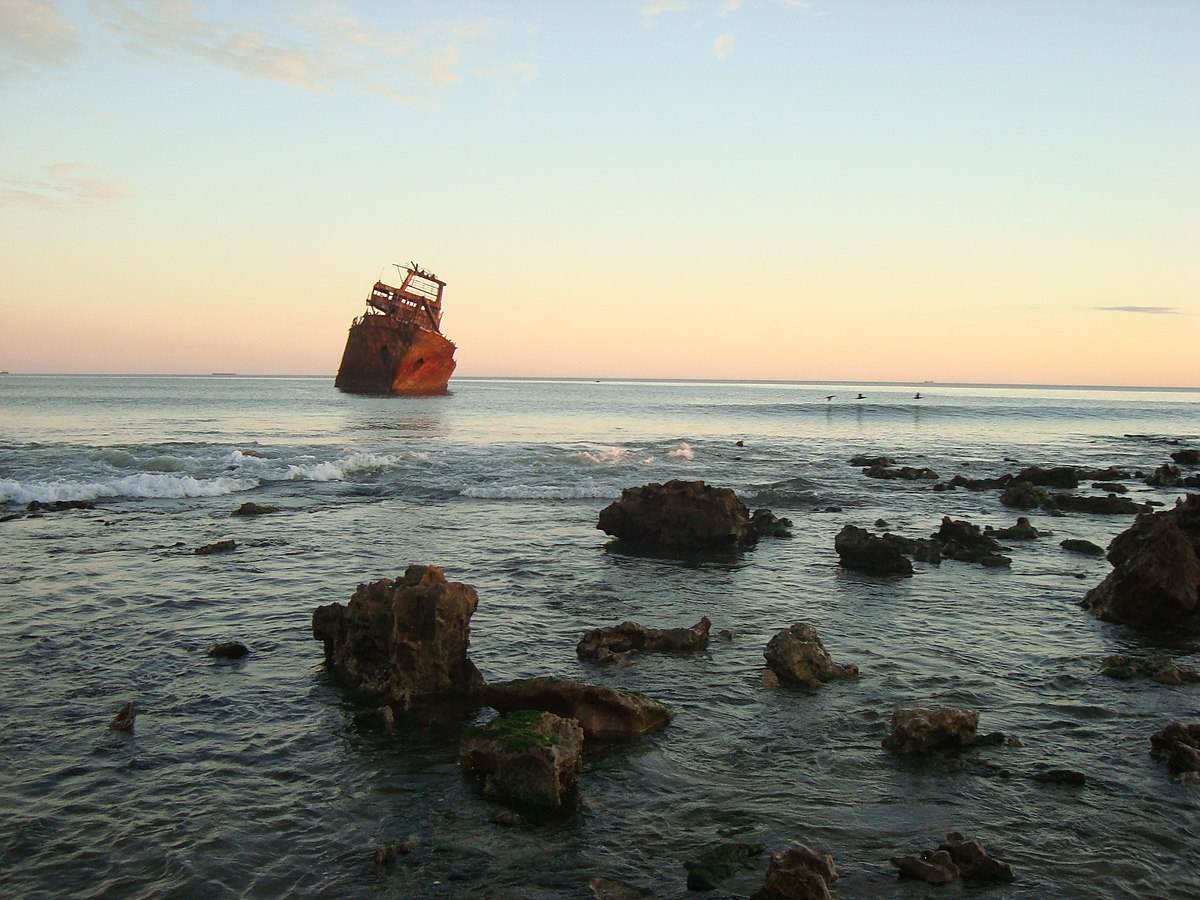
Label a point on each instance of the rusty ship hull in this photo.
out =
(397, 346)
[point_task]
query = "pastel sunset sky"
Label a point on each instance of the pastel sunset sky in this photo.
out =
(905, 190)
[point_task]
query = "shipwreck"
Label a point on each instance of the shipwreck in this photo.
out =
(397, 346)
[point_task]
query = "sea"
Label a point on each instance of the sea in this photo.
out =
(260, 777)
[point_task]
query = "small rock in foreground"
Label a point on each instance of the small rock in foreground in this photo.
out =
(229, 650)
(528, 757)
(797, 656)
(618, 641)
(798, 874)
(931, 730)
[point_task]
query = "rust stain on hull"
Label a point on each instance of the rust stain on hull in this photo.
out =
(397, 347)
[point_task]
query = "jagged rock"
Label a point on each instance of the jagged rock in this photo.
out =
(718, 863)
(907, 473)
(1057, 476)
(921, 549)
(229, 650)
(767, 524)
(965, 542)
(404, 641)
(930, 730)
(1163, 669)
(1179, 745)
(1110, 505)
(1026, 495)
(1165, 475)
(528, 756)
(226, 546)
(975, 484)
(1186, 457)
(253, 509)
(1110, 487)
(58, 505)
(863, 459)
(932, 866)
(679, 515)
(798, 874)
(1155, 581)
(124, 719)
(974, 863)
(797, 656)
(1022, 531)
(1087, 548)
(604, 713)
(859, 549)
(618, 641)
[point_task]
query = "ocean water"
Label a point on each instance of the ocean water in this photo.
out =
(259, 778)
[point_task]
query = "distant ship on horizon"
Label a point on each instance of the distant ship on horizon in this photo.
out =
(396, 346)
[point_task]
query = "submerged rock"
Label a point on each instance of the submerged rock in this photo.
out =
(865, 460)
(226, 546)
(973, 861)
(604, 713)
(932, 866)
(767, 524)
(797, 656)
(798, 874)
(1022, 531)
(1165, 475)
(1186, 457)
(1026, 495)
(402, 641)
(931, 730)
(906, 473)
(529, 757)
(1155, 581)
(1087, 548)
(229, 650)
(1179, 745)
(1163, 669)
(124, 719)
(679, 515)
(58, 505)
(619, 641)
(966, 542)
(1110, 505)
(253, 509)
(718, 863)
(859, 549)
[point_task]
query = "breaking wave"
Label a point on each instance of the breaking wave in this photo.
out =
(682, 450)
(605, 457)
(538, 492)
(142, 485)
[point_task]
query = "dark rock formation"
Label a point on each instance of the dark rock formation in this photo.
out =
(528, 757)
(797, 656)
(974, 863)
(1110, 487)
(1163, 669)
(1057, 477)
(798, 874)
(863, 459)
(229, 650)
(604, 713)
(975, 484)
(718, 863)
(1155, 581)
(404, 641)
(58, 505)
(932, 866)
(619, 641)
(1165, 475)
(1110, 505)
(965, 542)
(1026, 495)
(1179, 745)
(1061, 776)
(767, 524)
(1087, 548)
(859, 549)
(930, 730)
(1022, 531)
(124, 719)
(253, 509)
(679, 515)
(1186, 457)
(226, 546)
(907, 473)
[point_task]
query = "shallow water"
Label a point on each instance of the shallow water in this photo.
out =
(259, 778)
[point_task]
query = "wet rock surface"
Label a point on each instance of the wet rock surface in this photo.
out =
(859, 549)
(630, 638)
(956, 857)
(796, 656)
(1155, 581)
(1179, 745)
(1085, 548)
(604, 713)
(923, 730)
(798, 873)
(402, 641)
(254, 509)
(229, 650)
(718, 863)
(1021, 531)
(528, 757)
(1163, 669)
(681, 516)
(226, 546)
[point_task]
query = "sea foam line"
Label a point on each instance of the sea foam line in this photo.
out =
(143, 485)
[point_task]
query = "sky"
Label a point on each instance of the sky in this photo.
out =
(989, 191)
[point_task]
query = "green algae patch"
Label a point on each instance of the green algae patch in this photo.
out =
(516, 730)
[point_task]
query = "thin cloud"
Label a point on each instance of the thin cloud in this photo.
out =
(651, 8)
(64, 187)
(34, 31)
(1144, 310)
(325, 47)
(723, 46)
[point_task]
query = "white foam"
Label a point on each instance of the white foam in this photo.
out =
(336, 470)
(537, 492)
(682, 450)
(605, 457)
(143, 485)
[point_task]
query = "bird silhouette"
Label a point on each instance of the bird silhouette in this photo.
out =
(830, 397)
(860, 397)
